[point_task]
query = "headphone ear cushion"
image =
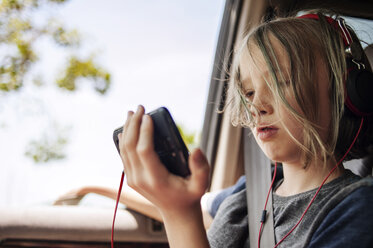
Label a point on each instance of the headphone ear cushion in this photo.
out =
(359, 86)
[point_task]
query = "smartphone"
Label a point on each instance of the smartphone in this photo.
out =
(168, 143)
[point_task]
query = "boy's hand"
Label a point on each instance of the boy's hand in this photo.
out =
(147, 175)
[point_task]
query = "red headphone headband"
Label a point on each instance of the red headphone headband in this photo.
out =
(338, 24)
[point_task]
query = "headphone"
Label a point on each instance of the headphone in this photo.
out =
(359, 80)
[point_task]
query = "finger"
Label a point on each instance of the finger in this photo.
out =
(200, 172)
(121, 137)
(132, 136)
(145, 148)
(130, 142)
(132, 129)
(129, 116)
(123, 157)
(125, 127)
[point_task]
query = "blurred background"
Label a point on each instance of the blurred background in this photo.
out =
(70, 71)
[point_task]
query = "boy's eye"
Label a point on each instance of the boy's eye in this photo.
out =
(284, 83)
(249, 94)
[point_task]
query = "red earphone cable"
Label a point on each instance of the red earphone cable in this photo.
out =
(309, 205)
(264, 214)
(116, 208)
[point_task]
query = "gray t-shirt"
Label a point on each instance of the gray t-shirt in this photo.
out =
(230, 225)
(288, 210)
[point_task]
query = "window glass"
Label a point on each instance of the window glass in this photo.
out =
(157, 53)
(363, 28)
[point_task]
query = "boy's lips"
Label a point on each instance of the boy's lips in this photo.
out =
(265, 132)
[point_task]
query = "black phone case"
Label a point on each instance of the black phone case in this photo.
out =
(168, 143)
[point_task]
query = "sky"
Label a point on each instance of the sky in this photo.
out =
(159, 53)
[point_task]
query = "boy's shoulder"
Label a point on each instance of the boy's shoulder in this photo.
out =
(348, 221)
(356, 197)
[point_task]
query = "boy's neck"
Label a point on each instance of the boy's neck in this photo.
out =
(298, 180)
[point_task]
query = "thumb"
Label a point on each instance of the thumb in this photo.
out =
(200, 171)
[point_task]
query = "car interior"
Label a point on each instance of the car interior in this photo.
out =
(231, 151)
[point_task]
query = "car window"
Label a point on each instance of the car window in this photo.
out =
(155, 53)
(363, 28)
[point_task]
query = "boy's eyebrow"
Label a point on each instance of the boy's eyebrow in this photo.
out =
(284, 71)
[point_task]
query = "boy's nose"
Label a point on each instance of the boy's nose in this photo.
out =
(261, 107)
(258, 110)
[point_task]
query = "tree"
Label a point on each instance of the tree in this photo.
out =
(21, 28)
(18, 36)
(190, 138)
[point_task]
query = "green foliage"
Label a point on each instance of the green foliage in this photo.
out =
(63, 37)
(48, 147)
(18, 35)
(84, 69)
(43, 152)
(191, 139)
(21, 28)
